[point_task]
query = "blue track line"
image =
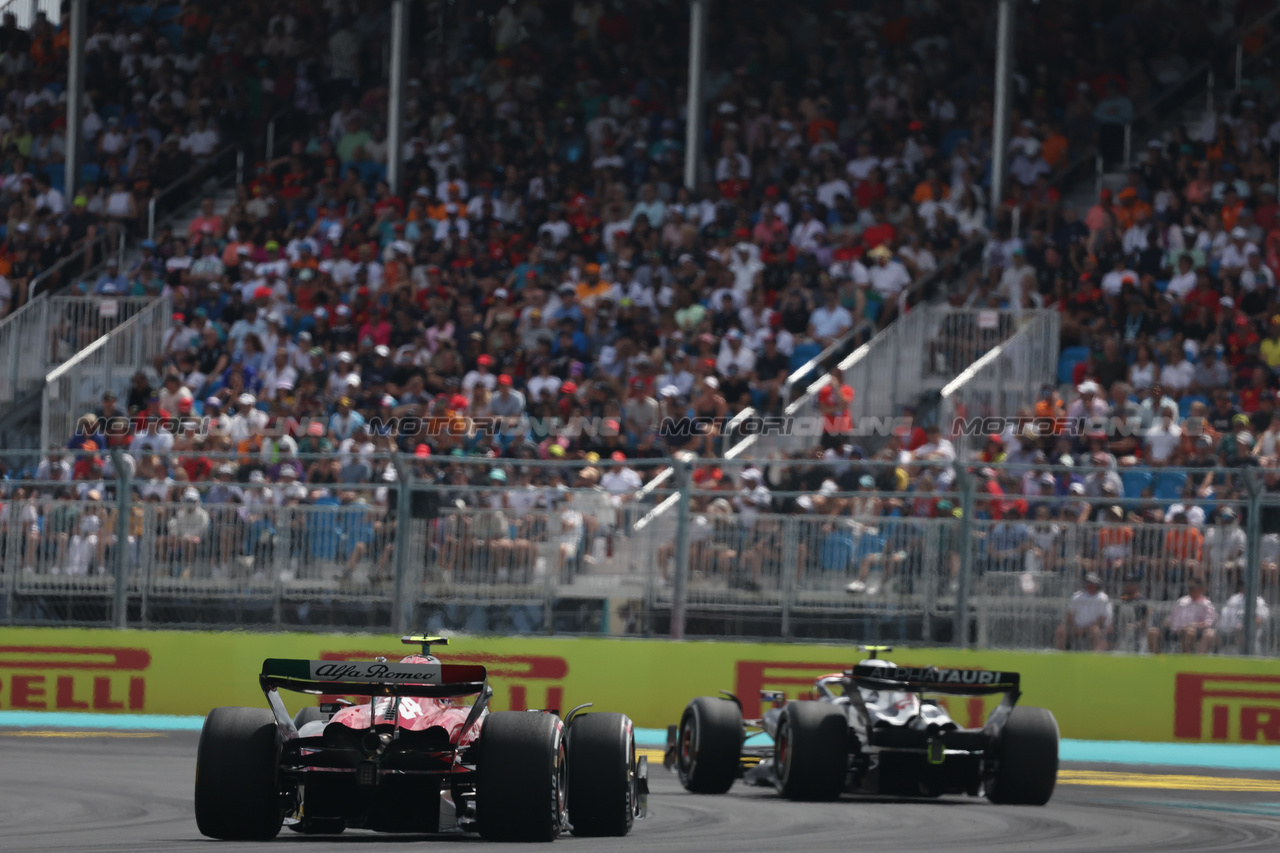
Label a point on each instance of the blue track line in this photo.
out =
(1229, 756)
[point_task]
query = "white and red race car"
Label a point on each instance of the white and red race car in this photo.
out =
(412, 758)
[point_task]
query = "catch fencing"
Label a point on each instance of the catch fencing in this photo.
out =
(788, 551)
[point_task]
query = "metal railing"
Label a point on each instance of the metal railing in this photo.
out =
(1007, 379)
(1205, 76)
(50, 330)
(446, 546)
(92, 256)
(25, 11)
(222, 168)
(76, 386)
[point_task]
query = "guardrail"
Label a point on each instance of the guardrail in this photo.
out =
(77, 385)
(556, 554)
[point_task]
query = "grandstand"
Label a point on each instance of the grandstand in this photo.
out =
(379, 274)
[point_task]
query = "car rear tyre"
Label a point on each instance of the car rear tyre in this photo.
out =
(811, 753)
(1027, 750)
(237, 795)
(520, 784)
(602, 783)
(709, 745)
(310, 714)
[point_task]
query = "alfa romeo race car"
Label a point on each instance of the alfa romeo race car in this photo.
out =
(412, 758)
(871, 730)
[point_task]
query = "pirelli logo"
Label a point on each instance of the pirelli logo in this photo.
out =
(73, 678)
(1227, 707)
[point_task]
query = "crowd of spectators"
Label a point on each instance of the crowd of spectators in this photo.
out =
(544, 260)
(166, 88)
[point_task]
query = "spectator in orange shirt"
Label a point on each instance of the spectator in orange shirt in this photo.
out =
(1115, 539)
(1231, 207)
(1131, 208)
(1054, 147)
(1183, 542)
(931, 189)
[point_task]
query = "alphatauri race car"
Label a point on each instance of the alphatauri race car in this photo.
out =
(413, 758)
(871, 730)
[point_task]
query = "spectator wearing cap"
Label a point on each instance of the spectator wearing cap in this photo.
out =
(1089, 405)
(1088, 619)
(507, 402)
(734, 357)
(345, 422)
(1191, 624)
(481, 375)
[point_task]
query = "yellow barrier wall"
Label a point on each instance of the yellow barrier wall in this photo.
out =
(1097, 697)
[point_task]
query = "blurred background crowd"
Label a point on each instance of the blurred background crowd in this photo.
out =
(544, 259)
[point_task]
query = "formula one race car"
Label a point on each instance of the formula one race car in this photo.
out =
(871, 731)
(413, 758)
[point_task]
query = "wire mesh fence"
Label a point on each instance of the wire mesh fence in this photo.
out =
(817, 549)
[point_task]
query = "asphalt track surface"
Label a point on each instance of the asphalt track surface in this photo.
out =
(124, 791)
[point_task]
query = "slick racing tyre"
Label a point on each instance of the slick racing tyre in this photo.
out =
(811, 754)
(1027, 751)
(602, 783)
(520, 783)
(709, 745)
(237, 798)
(309, 714)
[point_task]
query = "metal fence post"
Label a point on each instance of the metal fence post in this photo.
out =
(1253, 533)
(151, 219)
(402, 599)
(120, 607)
(680, 582)
(1128, 143)
(961, 619)
(239, 166)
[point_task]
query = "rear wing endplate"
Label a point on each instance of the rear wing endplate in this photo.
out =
(962, 682)
(373, 678)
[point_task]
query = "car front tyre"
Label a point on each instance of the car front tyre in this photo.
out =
(709, 745)
(602, 779)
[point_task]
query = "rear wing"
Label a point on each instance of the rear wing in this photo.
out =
(373, 678)
(960, 682)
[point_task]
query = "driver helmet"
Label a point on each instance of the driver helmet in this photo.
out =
(419, 659)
